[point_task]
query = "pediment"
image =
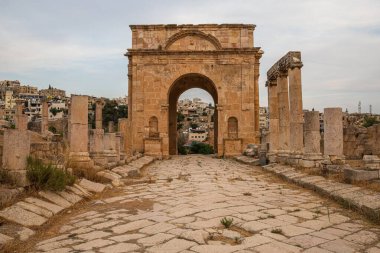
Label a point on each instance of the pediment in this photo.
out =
(192, 41)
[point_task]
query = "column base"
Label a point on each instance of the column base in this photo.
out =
(80, 160)
(283, 156)
(272, 157)
(311, 160)
(295, 158)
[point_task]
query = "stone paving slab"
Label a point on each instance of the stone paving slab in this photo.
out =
(184, 215)
(35, 209)
(19, 215)
(41, 203)
(55, 198)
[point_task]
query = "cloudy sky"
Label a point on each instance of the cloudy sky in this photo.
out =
(78, 45)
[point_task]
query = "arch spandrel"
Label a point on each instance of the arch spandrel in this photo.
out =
(192, 41)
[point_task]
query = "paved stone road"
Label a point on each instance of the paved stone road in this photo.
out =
(181, 211)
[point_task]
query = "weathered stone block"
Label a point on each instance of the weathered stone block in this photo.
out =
(353, 175)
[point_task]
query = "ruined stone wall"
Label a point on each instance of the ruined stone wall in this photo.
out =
(48, 152)
(359, 141)
(60, 125)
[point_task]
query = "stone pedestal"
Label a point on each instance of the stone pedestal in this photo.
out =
(333, 135)
(153, 147)
(97, 146)
(16, 149)
(110, 148)
(79, 156)
(312, 136)
(120, 149)
(111, 127)
(232, 147)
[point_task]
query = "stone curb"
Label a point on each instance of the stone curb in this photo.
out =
(362, 200)
(133, 168)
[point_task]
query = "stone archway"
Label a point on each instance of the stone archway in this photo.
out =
(166, 60)
(180, 85)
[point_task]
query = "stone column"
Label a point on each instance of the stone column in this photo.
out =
(333, 135)
(79, 156)
(283, 109)
(111, 127)
(273, 117)
(99, 104)
(296, 113)
(123, 128)
(312, 138)
(21, 120)
(44, 117)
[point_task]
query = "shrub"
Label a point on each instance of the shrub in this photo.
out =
(47, 177)
(6, 178)
(227, 222)
(201, 148)
(182, 150)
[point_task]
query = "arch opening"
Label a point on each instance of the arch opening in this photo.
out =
(182, 84)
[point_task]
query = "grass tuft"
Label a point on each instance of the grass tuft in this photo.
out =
(47, 177)
(227, 222)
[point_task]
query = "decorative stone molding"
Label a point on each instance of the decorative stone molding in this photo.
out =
(290, 61)
(183, 34)
(164, 107)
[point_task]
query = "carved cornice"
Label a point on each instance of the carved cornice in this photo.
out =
(190, 26)
(183, 34)
(290, 61)
(247, 51)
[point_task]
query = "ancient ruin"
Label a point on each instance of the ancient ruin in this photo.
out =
(285, 107)
(166, 60)
(136, 194)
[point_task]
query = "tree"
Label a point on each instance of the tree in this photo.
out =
(113, 112)
(180, 117)
(370, 121)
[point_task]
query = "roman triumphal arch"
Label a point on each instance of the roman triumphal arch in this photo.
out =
(166, 60)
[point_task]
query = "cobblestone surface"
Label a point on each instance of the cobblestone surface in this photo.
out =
(181, 208)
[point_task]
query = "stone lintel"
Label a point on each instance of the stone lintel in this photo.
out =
(291, 60)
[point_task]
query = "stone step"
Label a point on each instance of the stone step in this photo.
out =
(55, 198)
(78, 192)
(35, 209)
(71, 197)
(21, 216)
(44, 204)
